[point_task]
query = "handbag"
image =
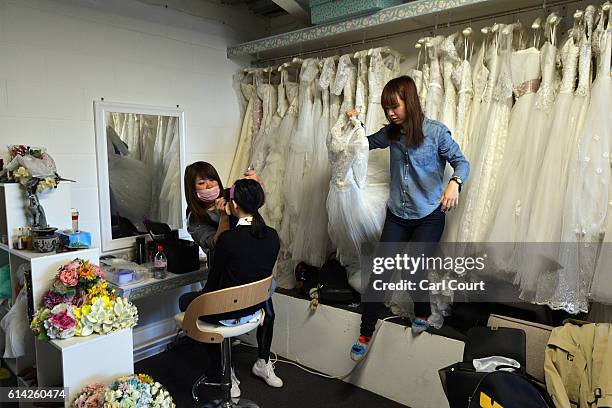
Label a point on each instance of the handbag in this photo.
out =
(501, 341)
(459, 380)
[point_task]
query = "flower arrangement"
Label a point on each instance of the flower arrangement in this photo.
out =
(135, 391)
(92, 396)
(27, 162)
(79, 303)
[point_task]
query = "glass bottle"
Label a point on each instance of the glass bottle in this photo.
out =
(160, 263)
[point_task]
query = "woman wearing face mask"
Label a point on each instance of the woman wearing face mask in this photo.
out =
(419, 148)
(208, 217)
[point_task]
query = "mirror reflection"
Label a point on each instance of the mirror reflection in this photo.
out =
(144, 171)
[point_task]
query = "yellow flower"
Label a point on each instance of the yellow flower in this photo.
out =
(77, 313)
(85, 309)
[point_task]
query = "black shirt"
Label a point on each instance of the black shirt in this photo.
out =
(241, 258)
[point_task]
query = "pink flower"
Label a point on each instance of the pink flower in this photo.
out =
(62, 320)
(69, 277)
(99, 272)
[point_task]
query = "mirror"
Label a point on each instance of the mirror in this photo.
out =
(140, 152)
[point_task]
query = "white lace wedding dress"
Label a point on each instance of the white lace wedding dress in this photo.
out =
(300, 152)
(518, 157)
(274, 166)
(492, 142)
(598, 127)
(351, 221)
(267, 93)
(572, 281)
(538, 279)
(312, 242)
(450, 61)
(435, 91)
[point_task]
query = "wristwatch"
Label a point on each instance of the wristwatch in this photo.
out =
(457, 180)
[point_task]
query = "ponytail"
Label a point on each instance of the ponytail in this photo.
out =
(249, 195)
(258, 226)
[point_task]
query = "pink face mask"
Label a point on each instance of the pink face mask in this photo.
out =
(208, 195)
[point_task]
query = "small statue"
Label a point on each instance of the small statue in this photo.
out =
(39, 220)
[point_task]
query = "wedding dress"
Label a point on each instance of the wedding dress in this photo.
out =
(450, 60)
(243, 150)
(464, 74)
(310, 242)
(572, 281)
(537, 279)
(464, 105)
(273, 175)
(300, 151)
(351, 221)
(548, 198)
(521, 146)
(601, 287)
(488, 164)
(381, 71)
(425, 87)
(377, 77)
(267, 93)
(435, 93)
(480, 75)
(361, 92)
(280, 135)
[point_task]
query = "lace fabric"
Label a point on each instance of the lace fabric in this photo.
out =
(569, 60)
(435, 93)
(547, 92)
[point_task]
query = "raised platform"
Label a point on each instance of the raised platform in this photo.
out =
(399, 366)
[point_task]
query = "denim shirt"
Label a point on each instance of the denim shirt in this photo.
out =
(417, 173)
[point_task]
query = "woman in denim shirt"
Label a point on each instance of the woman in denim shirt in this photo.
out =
(418, 198)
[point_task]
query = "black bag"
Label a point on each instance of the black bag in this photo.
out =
(503, 389)
(307, 278)
(459, 380)
(333, 284)
(501, 341)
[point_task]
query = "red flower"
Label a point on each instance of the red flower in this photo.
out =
(63, 320)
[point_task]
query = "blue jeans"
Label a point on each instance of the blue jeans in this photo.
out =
(397, 229)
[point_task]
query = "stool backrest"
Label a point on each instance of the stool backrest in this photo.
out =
(224, 301)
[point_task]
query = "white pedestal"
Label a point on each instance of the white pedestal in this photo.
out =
(79, 361)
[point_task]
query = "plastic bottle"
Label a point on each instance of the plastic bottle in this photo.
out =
(160, 263)
(141, 250)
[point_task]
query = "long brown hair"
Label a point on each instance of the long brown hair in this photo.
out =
(404, 88)
(195, 206)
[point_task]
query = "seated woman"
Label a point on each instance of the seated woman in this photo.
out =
(244, 254)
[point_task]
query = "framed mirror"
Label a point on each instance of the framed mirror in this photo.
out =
(141, 160)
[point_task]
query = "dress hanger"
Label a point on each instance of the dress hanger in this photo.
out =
(553, 21)
(536, 26)
(467, 33)
(419, 47)
(578, 20)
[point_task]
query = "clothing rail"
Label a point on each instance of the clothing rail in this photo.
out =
(546, 7)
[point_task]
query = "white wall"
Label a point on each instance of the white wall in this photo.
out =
(57, 57)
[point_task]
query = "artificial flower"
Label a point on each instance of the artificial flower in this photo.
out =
(52, 299)
(69, 277)
(61, 323)
(92, 396)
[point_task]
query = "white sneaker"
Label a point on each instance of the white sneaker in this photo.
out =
(235, 391)
(266, 372)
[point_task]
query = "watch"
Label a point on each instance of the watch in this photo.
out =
(457, 180)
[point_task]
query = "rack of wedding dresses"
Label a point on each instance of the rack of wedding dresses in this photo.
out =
(530, 109)
(324, 193)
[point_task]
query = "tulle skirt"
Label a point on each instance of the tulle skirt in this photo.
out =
(351, 221)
